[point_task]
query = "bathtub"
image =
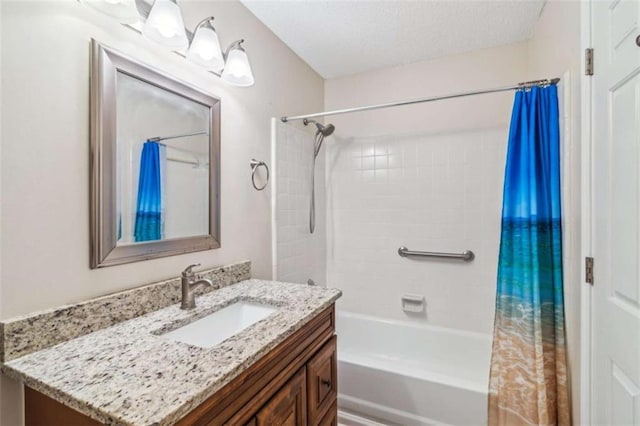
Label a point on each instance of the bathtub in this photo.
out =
(398, 372)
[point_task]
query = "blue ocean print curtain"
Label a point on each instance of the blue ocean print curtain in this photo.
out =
(149, 221)
(528, 379)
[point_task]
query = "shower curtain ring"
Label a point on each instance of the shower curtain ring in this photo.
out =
(254, 166)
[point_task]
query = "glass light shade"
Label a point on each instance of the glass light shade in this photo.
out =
(124, 11)
(205, 49)
(237, 70)
(165, 25)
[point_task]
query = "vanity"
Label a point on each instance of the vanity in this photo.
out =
(278, 370)
(293, 384)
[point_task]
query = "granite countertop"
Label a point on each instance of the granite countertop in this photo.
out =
(130, 374)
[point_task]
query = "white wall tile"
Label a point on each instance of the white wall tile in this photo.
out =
(298, 254)
(428, 192)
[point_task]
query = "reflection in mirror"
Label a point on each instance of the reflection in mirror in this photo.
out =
(162, 163)
(155, 169)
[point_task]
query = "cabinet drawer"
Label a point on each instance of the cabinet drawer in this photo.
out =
(322, 382)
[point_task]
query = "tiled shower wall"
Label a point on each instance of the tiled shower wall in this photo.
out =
(298, 255)
(428, 192)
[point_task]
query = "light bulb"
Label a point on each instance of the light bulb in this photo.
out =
(206, 54)
(205, 48)
(166, 29)
(237, 70)
(206, 51)
(165, 25)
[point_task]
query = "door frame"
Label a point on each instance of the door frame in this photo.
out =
(586, 293)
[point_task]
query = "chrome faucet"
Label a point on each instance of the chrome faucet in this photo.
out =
(189, 286)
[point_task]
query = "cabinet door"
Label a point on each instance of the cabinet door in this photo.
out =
(331, 418)
(288, 407)
(322, 381)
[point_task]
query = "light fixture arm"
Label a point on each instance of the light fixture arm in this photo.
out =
(235, 45)
(205, 21)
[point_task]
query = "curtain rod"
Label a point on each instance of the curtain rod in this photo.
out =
(162, 138)
(519, 86)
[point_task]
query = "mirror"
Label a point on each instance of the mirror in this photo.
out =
(155, 163)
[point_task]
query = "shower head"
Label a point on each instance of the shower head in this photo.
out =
(324, 130)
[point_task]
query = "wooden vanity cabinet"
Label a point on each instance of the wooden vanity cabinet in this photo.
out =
(331, 418)
(288, 386)
(322, 378)
(295, 384)
(288, 406)
(309, 398)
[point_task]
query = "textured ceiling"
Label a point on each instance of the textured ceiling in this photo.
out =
(338, 38)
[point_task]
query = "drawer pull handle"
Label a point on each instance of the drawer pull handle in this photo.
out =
(327, 383)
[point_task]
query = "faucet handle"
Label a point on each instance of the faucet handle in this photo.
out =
(188, 271)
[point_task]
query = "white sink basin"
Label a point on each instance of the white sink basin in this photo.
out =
(220, 325)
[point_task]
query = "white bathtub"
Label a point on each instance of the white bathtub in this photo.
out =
(398, 372)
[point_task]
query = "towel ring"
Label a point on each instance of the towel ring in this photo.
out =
(254, 166)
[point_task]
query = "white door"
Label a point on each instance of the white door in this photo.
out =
(616, 212)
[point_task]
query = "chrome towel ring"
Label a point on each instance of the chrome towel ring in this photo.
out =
(254, 166)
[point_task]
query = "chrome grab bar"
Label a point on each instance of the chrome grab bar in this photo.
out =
(466, 255)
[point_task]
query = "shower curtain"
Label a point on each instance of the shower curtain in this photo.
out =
(528, 379)
(149, 212)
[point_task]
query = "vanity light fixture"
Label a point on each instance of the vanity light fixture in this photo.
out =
(237, 70)
(205, 47)
(125, 11)
(161, 22)
(165, 26)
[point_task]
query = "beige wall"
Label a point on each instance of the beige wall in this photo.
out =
(9, 391)
(45, 150)
(555, 51)
(459, 73)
